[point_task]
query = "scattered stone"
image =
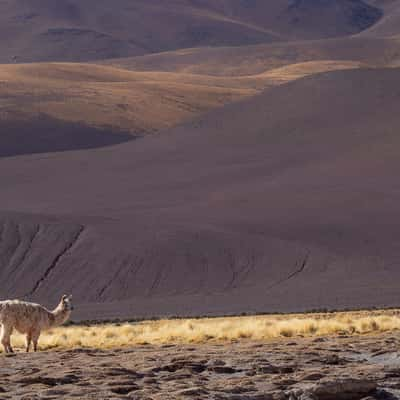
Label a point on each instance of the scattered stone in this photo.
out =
(380, 352)
(219, 369)
(266, 396)
(124, 372)
(124, 389)
(337, 389)
(48, 381)
(392, 372)
(217, 362)
(177, 376)
(150, 381)
(313, 376)
(54, 392)
(192, 392)
(238, 389)
(175, 366)
(285, 383)
(274, 369)
(334, 359)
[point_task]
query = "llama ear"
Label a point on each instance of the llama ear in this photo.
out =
(64, 297)
(70, 297)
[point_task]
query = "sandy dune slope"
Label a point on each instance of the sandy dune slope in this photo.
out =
(284, 201)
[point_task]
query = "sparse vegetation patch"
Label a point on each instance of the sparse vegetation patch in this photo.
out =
(218, 329)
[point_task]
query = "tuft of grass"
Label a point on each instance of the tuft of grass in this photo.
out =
(266, 327)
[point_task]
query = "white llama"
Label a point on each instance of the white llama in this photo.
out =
(30, 319)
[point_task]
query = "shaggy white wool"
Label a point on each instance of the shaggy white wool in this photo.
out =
(30, 319)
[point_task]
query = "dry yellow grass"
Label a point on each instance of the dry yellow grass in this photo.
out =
(103, 96)
(216, 329)
(136, 102)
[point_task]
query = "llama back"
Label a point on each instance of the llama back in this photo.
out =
(23, 315)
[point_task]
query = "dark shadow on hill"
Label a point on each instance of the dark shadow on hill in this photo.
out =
(350, 17)
(44, 135)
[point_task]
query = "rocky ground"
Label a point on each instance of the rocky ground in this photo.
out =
(334, 368)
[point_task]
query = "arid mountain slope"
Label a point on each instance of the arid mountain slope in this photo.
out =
(76, 30)
(284, 201)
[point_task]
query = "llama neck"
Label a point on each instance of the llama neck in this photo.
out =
(59, 316)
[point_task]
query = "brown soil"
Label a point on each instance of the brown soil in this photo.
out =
(338, 367)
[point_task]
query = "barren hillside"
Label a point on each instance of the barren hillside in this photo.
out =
(289, 195)
(75, 30)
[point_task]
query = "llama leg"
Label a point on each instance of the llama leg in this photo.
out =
(5, 338)
(28, 341)
(10, 349)
(35, 339)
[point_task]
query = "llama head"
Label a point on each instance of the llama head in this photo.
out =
(66, 303)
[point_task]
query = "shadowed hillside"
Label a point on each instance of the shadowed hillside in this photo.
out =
(42, 134)
(389, 24)
(285, 201)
